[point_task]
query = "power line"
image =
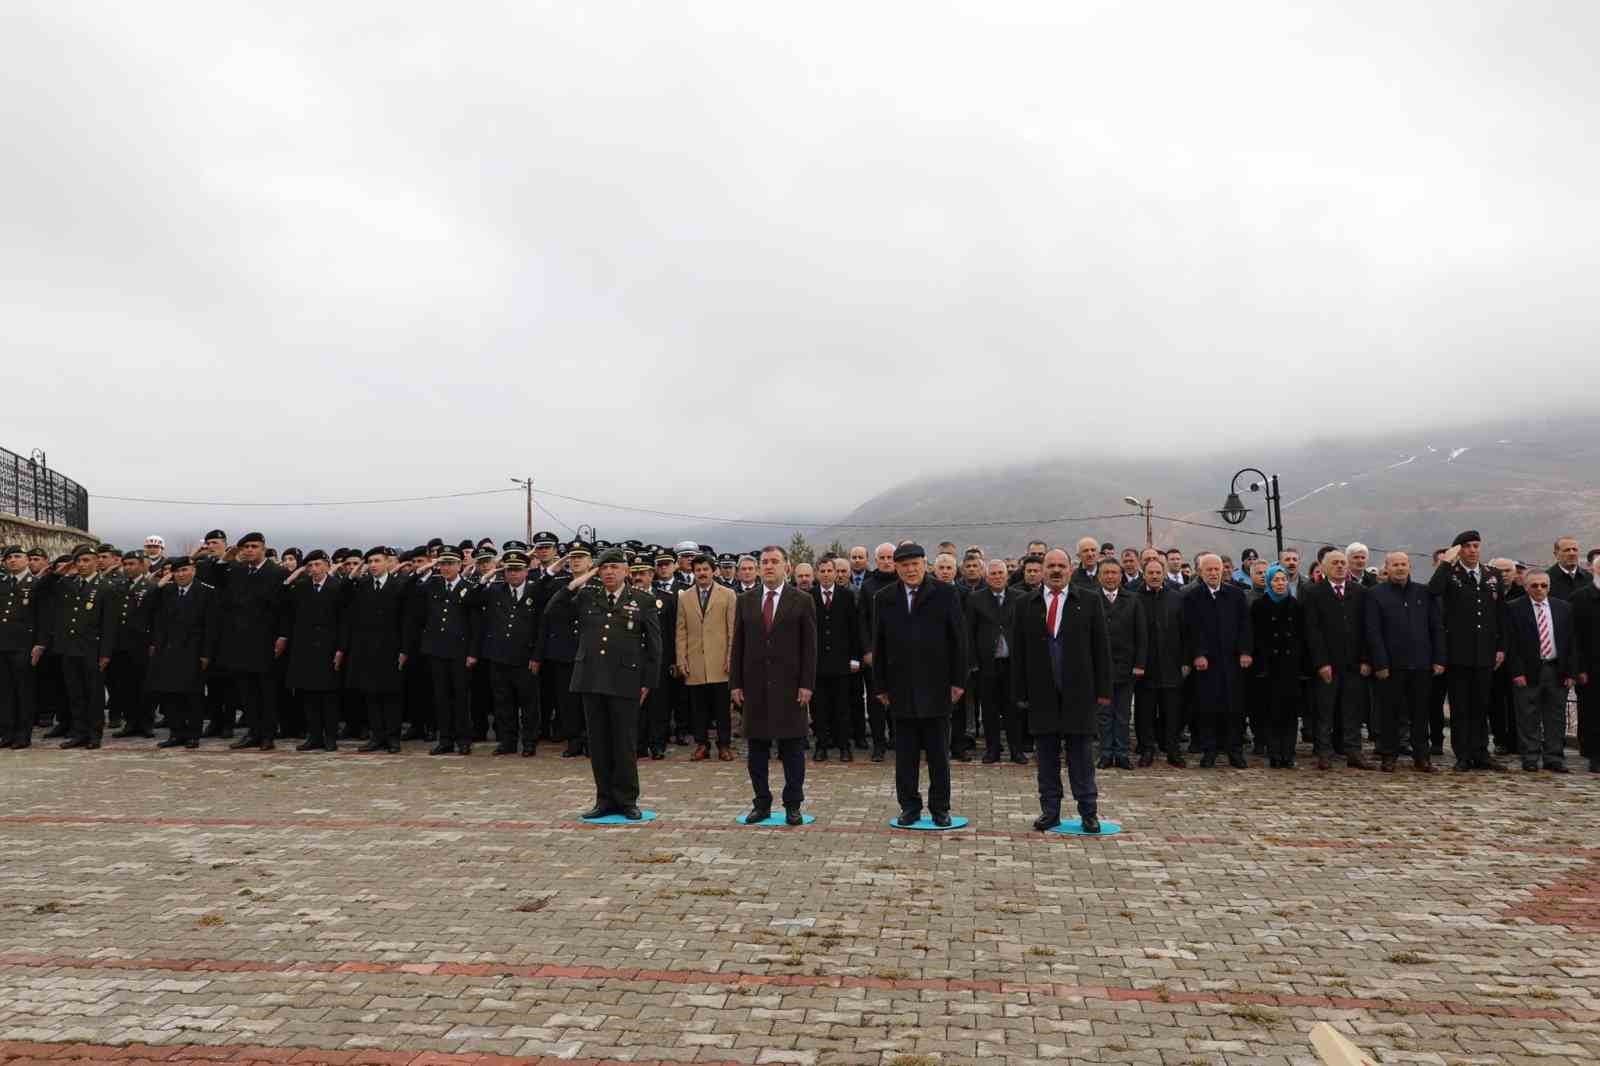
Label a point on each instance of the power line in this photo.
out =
(1257, 533)
(304, 503)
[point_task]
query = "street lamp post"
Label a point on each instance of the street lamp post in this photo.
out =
(1234, 511)
(1144, 508)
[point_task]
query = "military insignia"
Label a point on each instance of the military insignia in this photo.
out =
(631, 609)
(659, 605)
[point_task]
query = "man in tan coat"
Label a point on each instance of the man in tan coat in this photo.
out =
(705, 642)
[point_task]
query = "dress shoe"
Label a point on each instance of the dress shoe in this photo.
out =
(1323, 763)
(820, 755)
(310, 745)
(656, 754)
(792, 816)
(1020, 759)
(1462, 766)
(1530, 767)
(1237, 760)
(1124, 763)
(757, 814)
(75, 742)
(1386, 764)
(1178, 761)
(332, 745)
(5, 742)
(1424, 766)
(1493, 764)
(1208, 760)
(505, 749)
(573, 750)
(1090, 823)
(632, 814)
(442, 748)
(1147, 759)
(725, 754)
(597, 811)
(908, 817)
(1046, 821)
(700, 754)
(991, 757)
(1557, 768)
(845, 756)
(877, 753)
(170, 742)
(1357, 762)
(941, 819)
(18, 745)
(372, 745)
(246, 741)
(91, 745)
(394, 747)
(464, 748)
(1104, 763)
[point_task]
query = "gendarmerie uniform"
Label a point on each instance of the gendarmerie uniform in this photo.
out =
(129, 697)
(250, 597)
(1471, 606)
(311, 622)
(507, 627)
(373, 636)
(49, 685)
(184, 630)
(86, 632)
(619, 654)
(555, 649)
(18, 624)
(442, 633)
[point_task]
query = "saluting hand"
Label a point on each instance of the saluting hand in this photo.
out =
(1200, 663)
(804, 697)
(643, 695)
(1499, 659)
(279, 646)
(1245, 661)
(737, 695)
(338, 660)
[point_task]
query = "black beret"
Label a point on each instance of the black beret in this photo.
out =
(909, 551)
(1463, 538)
(340, 555)
(256, 538)
(296, 552)
(611, 555)
(215, 534)
(67, 558)
(10, 550)
(180, 560)
(435, 542)
(315, 554)
(38, 553)
(81, 550)
(103, 547)
(132, 556)
(379, 550)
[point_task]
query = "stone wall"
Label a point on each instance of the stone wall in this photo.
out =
(31, 534)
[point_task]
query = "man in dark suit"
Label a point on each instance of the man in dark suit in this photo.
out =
(919, 668)
(882, 577)
(506, 629)
(1060, 675)
(1157, 693)
(1472, 605)
(1405, 645)
(251, 593)
(1337, 642)
(838, 659)
(310, 626)
(773, 671)
(990, 611)
(1216, 630)
(1541, 658)
(373, 638)
(1129, 636)
(442, 631)
(1567, 574)
(1585, 603)
(184, 630)
(619, 654)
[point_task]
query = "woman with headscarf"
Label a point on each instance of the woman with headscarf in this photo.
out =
(1278, 622)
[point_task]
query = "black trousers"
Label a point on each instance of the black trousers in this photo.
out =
(1339, 706)
(830, 712)
(481, 686)
(50, 690)
(1503, 703)
(613, 723)
(1469, 688)
(516, 704)
(383, 716)
(879, 726)
(1434, 738)
(1000, 715)
(1589, 719)
(322, 716)
(86, 695)
(1155, 718)
(1405, 696)
(856, 692)
(417, 686)
(564, 705)
(913, 738)
(655, 716)
(222, 702)
(1218, 729)
(1279, 724)
(792, 753)
(678, 705)
(16, 695)
(259, 695)
(184, 712)
(1079, 750)
(451, 713)
(128, 700)
(708, 706)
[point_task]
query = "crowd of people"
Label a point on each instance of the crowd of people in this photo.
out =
(1099, 658)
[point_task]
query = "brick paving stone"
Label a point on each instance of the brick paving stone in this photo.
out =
(399, 911)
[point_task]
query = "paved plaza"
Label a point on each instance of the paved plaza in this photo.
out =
(359, 909)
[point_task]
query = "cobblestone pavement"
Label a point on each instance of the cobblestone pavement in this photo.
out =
(360, 909)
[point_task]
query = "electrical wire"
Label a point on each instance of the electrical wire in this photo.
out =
(305, 503)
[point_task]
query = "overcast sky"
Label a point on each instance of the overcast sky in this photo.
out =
(767, 259)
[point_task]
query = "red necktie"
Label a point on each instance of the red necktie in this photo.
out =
(1338, 590)
(827, 599)
(1050, 618)
(766, 609)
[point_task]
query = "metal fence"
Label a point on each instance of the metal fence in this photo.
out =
(30, 489)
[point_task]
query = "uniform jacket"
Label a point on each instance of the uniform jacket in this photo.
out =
(838, 631)
(1473, 614)
(918, 655)
(1522, 639)
(372, 632)
(1336, 629)
(18, 612)
(250, 599)
(133, 616)
(1218, 628)
(771, 666)
(619, 647)
(1059, 678)
(507, 629)
(1403, 627)
(311, 620)
(558, 622)
(183, 630)
(86, 617)
(441, 620)
(703, 640)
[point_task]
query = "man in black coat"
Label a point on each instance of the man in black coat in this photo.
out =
(508, 625)
(1472, 604)
(1157, 694)
(1542, 662)
(184, 630)
(838, 659)
(990, 611)
(1337, 641)
(1060, 675)
(442, 631)
(1129, 635)
(556, 646)
(251, 591)
(919, 656)
(372, 636)
(311, 627)
(655, 713)
(129, 693)
(1216, 636)
(18, 636)
(1585, 603)
(85, 637)
(882, 577)
(1405, 645)
(1567, 574)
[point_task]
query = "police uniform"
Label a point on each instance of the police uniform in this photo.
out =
(619, 655)
(18, 625)
(508, 626)
(442, 632)
(554, 650)
(1472, 606)
(656, 711)
(129, 699)
(479, 681)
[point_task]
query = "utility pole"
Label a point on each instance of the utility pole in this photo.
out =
(527, 486)
(1147, 507)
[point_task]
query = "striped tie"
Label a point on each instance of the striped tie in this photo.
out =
(1547, 643)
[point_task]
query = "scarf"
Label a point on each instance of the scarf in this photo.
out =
(1273, 596)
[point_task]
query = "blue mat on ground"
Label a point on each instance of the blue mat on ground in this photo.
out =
(926, 823)
(1074, 828)
(617, 819)
(775, 819)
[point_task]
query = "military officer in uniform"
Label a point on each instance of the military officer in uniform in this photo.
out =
(1472, 604)
(727, 569)
(442, 632)
(655, 712)
(129, 699)
(508, 625)
(311, 627)
(18, 628)
(85, 636)
(544, 557)
(619, 656)
(251, 591)
(557, 646)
